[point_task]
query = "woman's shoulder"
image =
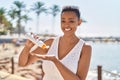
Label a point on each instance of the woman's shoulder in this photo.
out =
(50, 40)
(86, 45)
(87, 48)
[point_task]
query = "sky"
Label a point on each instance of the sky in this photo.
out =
(102, 16)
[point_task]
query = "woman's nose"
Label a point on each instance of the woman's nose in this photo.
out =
(66, 24)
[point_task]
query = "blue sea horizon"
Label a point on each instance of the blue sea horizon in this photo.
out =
(107, 55)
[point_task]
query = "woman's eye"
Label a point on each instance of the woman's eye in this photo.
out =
(63, 21)
(71, 21)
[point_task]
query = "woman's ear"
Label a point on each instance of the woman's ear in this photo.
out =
(80, 21)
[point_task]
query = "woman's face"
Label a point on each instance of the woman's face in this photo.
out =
(69, 22)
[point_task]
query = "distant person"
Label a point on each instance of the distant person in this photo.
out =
(72, 54)
(3, 45)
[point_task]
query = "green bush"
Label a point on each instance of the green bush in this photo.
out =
(3, 32)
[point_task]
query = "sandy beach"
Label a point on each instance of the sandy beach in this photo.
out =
(8, 76)
(9, 52)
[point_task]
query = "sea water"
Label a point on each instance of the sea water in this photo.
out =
(107, 55)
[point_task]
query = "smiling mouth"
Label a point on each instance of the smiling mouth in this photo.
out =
(67, 29)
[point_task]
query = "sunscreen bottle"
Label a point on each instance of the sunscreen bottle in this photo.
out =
(37, 42)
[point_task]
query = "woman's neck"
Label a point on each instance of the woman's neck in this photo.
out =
(70, 38)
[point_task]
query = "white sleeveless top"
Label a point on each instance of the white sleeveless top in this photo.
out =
(70, 60)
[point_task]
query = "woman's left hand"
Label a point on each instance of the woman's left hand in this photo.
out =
(46, 57)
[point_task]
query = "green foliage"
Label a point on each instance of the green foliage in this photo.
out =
(3, 32)
(18, 14)
(38, 7)
(54, 10)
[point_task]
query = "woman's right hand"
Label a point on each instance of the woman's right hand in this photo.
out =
(29, 44)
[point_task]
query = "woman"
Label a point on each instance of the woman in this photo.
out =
(72, 55)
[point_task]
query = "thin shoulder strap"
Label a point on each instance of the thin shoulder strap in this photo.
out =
(53, 48)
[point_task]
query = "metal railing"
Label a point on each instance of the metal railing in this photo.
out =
(111, 75)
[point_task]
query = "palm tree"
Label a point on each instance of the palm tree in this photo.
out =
(4, 21)
(38, 7)
(20, 6)
(12, 15)
(2, 29)
(2, 12)
(54, 10)
(26, 18)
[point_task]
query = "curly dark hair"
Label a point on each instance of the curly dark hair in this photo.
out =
(72, 8)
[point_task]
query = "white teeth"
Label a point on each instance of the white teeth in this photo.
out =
(67, 29)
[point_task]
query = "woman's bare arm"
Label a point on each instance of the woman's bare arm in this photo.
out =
(65, 72)
(26, 58)
(23, 58)
(84, 62)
